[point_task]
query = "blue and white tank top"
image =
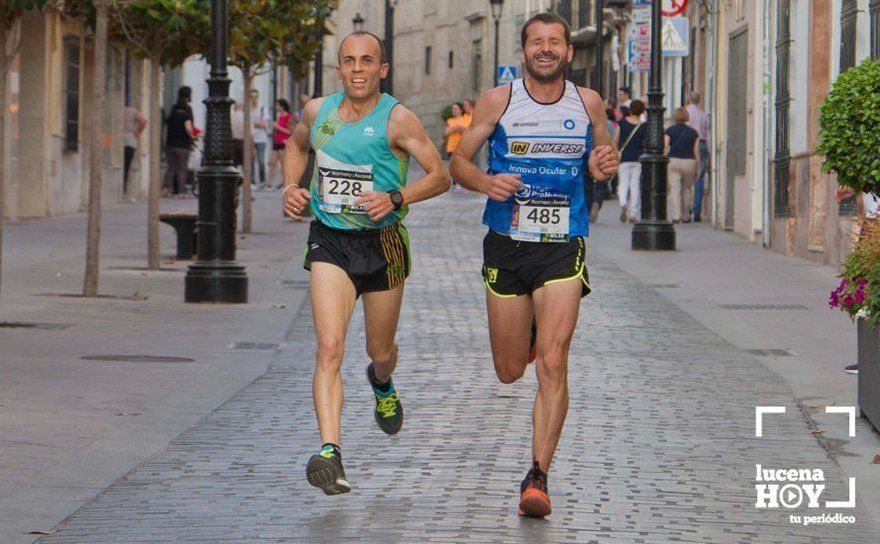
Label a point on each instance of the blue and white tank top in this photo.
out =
(548, 145)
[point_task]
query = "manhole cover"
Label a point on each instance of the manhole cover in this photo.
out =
(138, 359)
(26, 325)
(770, 352)
(252, 346)
(784, 307)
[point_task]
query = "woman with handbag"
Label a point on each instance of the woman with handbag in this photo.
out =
(629, 172)
(683, 149)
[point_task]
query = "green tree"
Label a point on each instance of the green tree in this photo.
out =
(849, 128)
(165, 32)
(281, 31)
(10, 34)
(96, 15)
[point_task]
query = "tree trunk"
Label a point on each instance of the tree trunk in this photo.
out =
(248, 156)
(96, 152)
(4, 69)
(153, 192)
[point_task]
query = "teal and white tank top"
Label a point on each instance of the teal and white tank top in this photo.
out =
(351, 159)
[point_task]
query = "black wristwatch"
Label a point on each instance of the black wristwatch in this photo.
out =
(396, 199)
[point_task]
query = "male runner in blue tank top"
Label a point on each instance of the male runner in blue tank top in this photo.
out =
(357, 244)
(543, 132)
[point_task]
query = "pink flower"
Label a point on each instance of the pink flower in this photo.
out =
(848, 301)
(862, 283)
(860, 296)
(834, 301)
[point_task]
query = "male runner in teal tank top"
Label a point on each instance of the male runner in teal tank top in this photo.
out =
(357, 244)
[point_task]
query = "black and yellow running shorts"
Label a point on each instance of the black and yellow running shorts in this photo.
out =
(374, 259)
(512, 268)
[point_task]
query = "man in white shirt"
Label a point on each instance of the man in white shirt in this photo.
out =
(699, 121)
(260, 121)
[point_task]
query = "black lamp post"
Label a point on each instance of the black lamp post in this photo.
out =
(654, 231)
(387, 84)
(357, 22)
(497, 6)
(215, 276)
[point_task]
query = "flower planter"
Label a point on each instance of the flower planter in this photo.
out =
(869, 373)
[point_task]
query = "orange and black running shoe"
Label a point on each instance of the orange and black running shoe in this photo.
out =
(533, 500)
(533, 350)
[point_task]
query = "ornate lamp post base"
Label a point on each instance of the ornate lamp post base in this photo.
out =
(653, 236)
(216, 282)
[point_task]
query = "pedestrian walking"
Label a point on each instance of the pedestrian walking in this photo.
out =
(455, 126)
(260, 122)
(683, 149)
(597, 191)
(699, 121)
(237, 121)
(632, 135)
(178, 143)
(541, 139)
(357, 243)
(282, 128)
(133, 124)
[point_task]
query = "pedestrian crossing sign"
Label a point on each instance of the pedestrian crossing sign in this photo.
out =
(506, 74)
(674, 36)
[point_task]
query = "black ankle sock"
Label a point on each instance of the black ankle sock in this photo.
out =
(381, 386)
(336, 450)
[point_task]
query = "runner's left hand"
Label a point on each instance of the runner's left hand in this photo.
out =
(603, 162)
(377, 204)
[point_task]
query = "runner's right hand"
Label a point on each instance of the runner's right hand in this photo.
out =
(295, 202)
(503, 186)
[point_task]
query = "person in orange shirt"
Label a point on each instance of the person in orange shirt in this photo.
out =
(455, 126)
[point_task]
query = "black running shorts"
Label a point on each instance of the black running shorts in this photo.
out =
(512, 268)
(375, 259)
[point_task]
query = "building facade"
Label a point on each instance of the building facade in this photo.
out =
(48, 125)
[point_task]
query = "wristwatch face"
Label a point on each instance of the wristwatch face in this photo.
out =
(396, 198)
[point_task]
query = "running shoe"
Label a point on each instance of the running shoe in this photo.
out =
(533, 350)
(533, 501)
(851, 369)
(325, 472)
(389, 410)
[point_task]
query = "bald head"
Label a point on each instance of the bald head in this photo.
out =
(363, 35)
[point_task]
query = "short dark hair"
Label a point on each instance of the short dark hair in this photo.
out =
(382, 57)
(626, 90)
(547, 19)
(636, 107)
(285, 105)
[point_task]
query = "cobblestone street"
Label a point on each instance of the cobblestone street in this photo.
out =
(659, 445)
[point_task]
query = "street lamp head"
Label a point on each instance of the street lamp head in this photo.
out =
(358, 22)
(497, 6)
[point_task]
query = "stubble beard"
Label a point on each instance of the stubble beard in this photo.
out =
(545, 77)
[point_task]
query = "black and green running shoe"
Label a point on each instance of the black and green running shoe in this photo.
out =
(325, 471)
(389, 410)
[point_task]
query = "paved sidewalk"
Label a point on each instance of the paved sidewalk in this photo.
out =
(70, 427)
(659, 445)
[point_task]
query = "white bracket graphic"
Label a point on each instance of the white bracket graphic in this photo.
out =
(851, 410)
(759, 417)
(851, 503)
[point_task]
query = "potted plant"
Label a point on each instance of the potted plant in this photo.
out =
(849, 138)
